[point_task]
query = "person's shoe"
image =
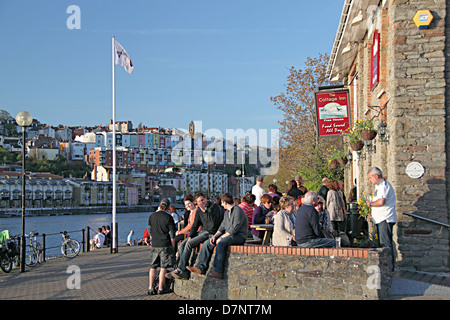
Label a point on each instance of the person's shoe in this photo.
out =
(181, 275)
(152, 292)
(216, 275)
(164, 291)
(195, 270)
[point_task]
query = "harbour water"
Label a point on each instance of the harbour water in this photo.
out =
(73, 224)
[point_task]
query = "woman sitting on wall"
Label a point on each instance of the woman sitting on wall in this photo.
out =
(284, 223)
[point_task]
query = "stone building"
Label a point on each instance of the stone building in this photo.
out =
(397, 74)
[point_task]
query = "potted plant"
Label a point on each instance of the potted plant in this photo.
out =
(354, 139)
(333, 163)
(366, 129)
(338, 155)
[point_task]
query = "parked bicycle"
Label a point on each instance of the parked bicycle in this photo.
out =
(10, 253)
(9, 250)
(36, 245)
(70, 248)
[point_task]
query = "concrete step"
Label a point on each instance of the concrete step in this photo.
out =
(413, 283)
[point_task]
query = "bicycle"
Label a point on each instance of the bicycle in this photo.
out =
(31, 255)
(8, 251)
(10, 254)
(36, 245)
(70, 248)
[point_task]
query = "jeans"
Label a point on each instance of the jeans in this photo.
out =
(384, 231)
(221, 253)
(319, 243)
(189, 246)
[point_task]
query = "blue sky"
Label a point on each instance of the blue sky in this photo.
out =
(215, 61)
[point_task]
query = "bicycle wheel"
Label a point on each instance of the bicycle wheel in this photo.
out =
(5, 263)
(31, 256)
(39, 251)
(70, 248)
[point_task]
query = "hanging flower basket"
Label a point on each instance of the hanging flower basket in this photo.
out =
(368, 134)
(357, 145)
(333, 164)
(343, 161)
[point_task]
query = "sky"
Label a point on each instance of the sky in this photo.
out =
(214, 61)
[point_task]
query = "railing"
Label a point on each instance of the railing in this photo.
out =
(438, 233)
(426, 219)
(44, 241)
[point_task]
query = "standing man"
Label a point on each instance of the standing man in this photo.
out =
(300, 186)
(323, 190)
(162, 253)
(258, 190)
(383, 209)
(232, 231)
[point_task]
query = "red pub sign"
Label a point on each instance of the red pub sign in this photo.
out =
(333, 112)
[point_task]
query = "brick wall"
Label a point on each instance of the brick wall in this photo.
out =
(293, 273)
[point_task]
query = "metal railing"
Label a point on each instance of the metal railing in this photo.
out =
(442, 224)
(44, 241)
(426, 219)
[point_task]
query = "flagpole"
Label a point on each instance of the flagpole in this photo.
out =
(114, 236)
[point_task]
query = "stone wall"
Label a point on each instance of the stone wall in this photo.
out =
(293, 273)
(417, 89)
(413, 93)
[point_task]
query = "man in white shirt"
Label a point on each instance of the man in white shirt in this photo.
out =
(383, 208)
(257, 190)
(98, 240)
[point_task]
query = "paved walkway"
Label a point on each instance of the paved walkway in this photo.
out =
(124, 276)
(104, 276)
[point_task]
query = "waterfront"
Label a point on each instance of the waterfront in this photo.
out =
(136, 221)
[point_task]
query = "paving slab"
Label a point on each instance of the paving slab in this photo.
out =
(103, 276)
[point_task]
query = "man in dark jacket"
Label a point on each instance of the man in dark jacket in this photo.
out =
(323, 190)
(209, 218)
(162, 229)
(232, 231)
(307, 227)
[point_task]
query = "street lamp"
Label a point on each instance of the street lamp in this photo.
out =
(208, 159)
(23, 119)
(238, 173)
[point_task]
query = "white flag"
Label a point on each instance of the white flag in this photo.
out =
(121, 58)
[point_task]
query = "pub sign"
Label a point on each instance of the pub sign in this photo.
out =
(333, 112)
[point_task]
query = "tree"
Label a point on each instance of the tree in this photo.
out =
(301, 150)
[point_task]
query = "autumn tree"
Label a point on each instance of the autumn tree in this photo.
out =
(301, 150)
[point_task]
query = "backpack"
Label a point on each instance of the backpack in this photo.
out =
(168, 284)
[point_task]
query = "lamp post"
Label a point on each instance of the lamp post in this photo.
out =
(208, 159)
(23, 119)
(238, 173)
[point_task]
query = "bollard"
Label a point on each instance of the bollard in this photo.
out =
(83, 241)
(88, 246)
(43, 247)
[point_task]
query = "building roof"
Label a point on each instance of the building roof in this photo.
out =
(349, 33)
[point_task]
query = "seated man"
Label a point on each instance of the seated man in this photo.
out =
(232, 231)
(209, 218)
(98, 240)
(308, 233)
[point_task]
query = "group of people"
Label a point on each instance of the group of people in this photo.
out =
(301, 218)
(286, 213)
(317, 219)
(101, 239)
(208, 225)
